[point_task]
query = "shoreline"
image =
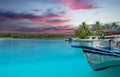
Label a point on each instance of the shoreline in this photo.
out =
(34, 36)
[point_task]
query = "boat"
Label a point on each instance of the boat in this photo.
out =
(88, 39)
(68, 39)
(100, 58)
(100, 62)
(99, 52)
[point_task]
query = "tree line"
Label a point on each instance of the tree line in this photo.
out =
(36, 36)
(85, 30)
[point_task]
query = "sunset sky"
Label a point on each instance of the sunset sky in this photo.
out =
(55, 16)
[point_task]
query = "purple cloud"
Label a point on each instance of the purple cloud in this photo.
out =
(57, 22)
(41, 30)
(8, 15)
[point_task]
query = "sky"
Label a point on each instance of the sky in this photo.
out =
(55, 16)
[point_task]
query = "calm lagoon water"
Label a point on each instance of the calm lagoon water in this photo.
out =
(46, 58)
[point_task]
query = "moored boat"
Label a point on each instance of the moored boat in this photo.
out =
(102, 54)
(88, 39)
(68, 39)
(101, 58)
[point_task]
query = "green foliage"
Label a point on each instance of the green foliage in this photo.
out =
(97, 26)
(114, 25)
(83, 31)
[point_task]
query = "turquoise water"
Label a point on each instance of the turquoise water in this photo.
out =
(46, 58)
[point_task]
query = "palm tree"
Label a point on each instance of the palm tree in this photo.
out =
(97, 26)
(83, 31)
(114, 25)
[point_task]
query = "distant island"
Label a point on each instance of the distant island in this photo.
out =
(36, 36)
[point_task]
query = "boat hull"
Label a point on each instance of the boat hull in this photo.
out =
(101, 58)
(101, 62)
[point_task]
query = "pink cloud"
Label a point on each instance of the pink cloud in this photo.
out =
(57, 22)
(44, 18)
(59, 30)
(52, 16)
(78, 4)
(36, 19)
(67, 31)
(3, 18)
(19, 18)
